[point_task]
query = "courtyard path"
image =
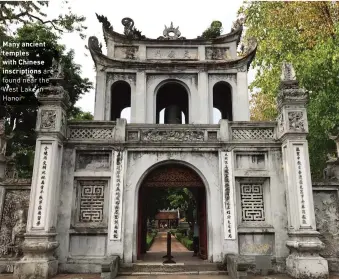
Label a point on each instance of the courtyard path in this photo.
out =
(160, 244)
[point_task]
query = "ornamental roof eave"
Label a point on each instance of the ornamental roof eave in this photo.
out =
(110, 35)
(107, 62)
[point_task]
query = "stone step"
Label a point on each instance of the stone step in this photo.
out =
(167, 268)
(173, 273)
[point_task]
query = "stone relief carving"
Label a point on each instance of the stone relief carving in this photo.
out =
(130, 52)
(296, 121)
(223, 77)
(130, 78)
(326, 205)
(130, 31)
(172, 135)
(13, 223)
(217, 53)
(252, 202)
(242, 68)
(2, 127)
(133, 135)
(48, 119)
(63, 123)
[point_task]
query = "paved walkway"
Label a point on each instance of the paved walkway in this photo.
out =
(160, 244)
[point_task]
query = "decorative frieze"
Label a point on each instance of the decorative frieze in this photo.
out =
(302, 186)
(228, 195)
(217, 53)
(117, 191)
(91, 200)
(168, 53)
(48, 119)
(252, 202)
(133, 135)
(172, 135)
(42, 184)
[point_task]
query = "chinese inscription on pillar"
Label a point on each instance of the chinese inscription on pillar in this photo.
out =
(117, 197)
(41, 186)
(228, 191)
(302, 190)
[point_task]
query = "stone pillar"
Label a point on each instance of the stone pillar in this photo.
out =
(200, 115)
(240, 99)
(304, 244)
(38, 261)
(139, 113)
(100, 95)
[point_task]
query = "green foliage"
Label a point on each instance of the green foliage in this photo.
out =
(26, 12)
(78, 114)
(305, 34)
(213, 31)
(150, 239)
(21, 117)
(188, 243)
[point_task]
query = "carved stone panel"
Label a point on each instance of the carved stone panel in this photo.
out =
(217, 53)
(48, 119)
(13, 222)
(326, 204)
(93, 161)
(167, 53)
(296, 121)
(126, 52)
(252, 202)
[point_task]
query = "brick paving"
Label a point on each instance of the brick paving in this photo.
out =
(160, 244)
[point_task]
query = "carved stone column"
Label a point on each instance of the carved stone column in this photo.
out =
(304, 260)
(38, 261)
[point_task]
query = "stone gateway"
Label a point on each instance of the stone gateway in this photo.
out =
(91, 178)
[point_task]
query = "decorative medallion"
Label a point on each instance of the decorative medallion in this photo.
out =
(48, 119)
(171, 33)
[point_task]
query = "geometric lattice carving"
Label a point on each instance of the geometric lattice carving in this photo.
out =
(91, 200)
(91, 133)
(252, 202)
(252, 133)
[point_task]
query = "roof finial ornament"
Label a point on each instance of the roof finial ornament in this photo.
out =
(171, 33)
(130, 31)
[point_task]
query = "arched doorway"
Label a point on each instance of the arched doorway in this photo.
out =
(172, 100)
(222, 99)
(172, 175)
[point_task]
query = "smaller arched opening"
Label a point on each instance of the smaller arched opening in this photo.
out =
(172, 104)
(222, 101)
(120, 100)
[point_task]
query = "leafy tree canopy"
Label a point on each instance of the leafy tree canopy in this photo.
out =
(307, 35)
(21, 116)
(23, 12)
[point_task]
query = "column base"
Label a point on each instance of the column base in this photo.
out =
(306, 267)
(35, 268)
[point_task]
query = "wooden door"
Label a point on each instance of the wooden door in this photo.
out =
(202, 219)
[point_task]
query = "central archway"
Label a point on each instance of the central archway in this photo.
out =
(172, 175)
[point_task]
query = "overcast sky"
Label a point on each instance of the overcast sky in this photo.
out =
(149, 16)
